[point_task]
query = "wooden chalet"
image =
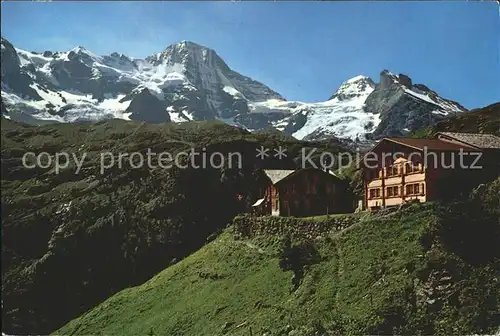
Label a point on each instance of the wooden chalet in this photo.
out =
(301, 193)
(398, 170)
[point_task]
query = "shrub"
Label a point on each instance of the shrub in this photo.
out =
(296, 257)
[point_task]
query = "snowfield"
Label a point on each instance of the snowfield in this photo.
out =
(446, 106)
(343, 118)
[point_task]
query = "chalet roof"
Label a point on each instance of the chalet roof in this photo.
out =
(276, 175)
(431, 144)
(483, 141)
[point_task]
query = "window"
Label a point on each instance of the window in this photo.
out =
(375, 193)
(413, 168)
(392, 191)
(392, 171)
(413, 189)
(409, 189)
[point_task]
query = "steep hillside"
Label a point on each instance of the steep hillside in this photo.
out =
(428, 269)
(74, 236)
(481, 120)
(188, 81)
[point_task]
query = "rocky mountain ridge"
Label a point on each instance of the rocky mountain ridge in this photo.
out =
(188, 81)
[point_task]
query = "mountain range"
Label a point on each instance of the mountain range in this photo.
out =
(188, 81)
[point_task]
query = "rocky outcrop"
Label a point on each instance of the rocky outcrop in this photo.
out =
(405, 80)
(404, 107)
(13, 77)
(10, 60)
(146, 107)
(386, 79)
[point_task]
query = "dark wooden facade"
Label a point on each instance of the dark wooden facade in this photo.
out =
(302, 193)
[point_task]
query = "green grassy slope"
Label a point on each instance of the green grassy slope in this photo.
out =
(395, 273)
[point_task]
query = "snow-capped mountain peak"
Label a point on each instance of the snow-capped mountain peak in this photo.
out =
(84, 55)
(188, 81)
(342, 115)
(80, 50)
(355, 87)
(182, 52)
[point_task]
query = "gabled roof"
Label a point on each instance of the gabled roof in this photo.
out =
(478, 140)
(276, 175)
(431, 144)
(421, 145)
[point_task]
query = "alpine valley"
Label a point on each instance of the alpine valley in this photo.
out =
(188, 81)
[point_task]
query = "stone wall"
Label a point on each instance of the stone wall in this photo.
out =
(250, 226)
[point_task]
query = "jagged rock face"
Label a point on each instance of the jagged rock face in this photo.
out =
(404, 107)
(10, 61)
(406, 81)
(78, 71)
(146, 107)
(13, 77)
(188, 81)
(219, 91)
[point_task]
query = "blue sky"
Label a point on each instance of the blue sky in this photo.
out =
(303, 50)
